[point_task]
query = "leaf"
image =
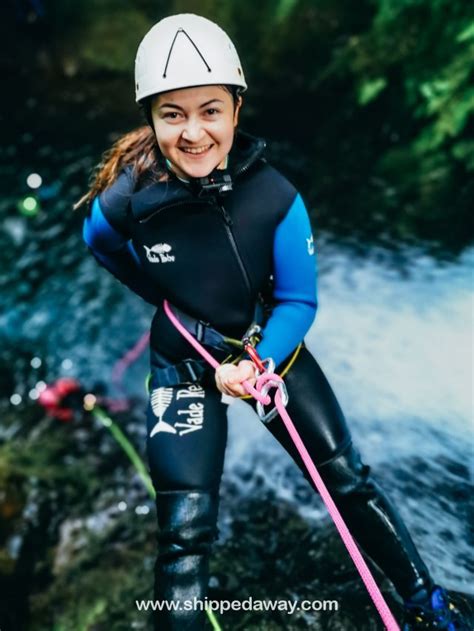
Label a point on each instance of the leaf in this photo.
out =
(369, 90)
(466, 34)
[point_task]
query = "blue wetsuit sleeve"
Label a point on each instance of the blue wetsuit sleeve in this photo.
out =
(98, 232)
(117, 254)
(295, 291)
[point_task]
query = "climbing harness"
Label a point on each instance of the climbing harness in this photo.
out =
(166, 374)
(265, 382)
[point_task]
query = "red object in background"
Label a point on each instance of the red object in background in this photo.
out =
(53, 398)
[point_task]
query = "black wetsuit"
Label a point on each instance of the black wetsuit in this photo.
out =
(172, 243)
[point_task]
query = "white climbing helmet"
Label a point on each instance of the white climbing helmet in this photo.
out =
(183, 51)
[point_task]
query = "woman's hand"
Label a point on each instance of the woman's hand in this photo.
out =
(229, 377)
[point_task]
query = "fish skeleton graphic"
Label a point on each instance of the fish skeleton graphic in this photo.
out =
(159, 253)
(160, 401)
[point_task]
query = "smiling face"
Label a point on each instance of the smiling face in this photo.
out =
(194, 128)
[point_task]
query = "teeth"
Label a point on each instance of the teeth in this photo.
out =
(195, 151)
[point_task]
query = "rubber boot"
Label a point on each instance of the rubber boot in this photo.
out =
(187, 528)
(374, 522)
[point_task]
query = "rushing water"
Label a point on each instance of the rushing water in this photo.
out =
(397, 348)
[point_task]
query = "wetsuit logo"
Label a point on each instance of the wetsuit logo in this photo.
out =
(310, 244)
(160, 401)
(159, 253)
(190, 415)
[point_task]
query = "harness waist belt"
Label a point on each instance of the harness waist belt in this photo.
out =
(191, 370)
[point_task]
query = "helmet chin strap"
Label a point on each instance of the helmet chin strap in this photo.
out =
(217, 181)
(169, 164)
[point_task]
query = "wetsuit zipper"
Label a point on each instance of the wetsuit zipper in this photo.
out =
(228, 220)
(228, 223)
(230, 235)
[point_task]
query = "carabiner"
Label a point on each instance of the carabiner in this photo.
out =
(268, 365)
(254, 329)
(271, 383)
(252, 353)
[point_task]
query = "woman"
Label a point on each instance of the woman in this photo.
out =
(188, 209)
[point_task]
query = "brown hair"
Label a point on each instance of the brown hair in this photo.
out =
(138, 148)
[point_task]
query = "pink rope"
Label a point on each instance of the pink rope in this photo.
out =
(366, 575)
(130, 356)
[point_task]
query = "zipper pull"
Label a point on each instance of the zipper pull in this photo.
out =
(225, 214)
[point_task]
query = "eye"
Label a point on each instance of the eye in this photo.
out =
(212, 110)
(171, 115)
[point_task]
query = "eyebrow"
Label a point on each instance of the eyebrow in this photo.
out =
(180, 108)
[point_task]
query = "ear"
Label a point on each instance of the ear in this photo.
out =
(237, 110)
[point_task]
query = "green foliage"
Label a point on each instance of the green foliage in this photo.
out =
(113, 43)
(97, 594)
(284, 8)
(67, 473)
(412, 65)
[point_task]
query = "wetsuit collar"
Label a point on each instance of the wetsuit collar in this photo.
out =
(245, 151)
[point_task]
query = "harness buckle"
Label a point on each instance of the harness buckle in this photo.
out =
(201, 330)
(218, 181)
(189, 367)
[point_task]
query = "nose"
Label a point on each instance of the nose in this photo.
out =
(192, 131)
